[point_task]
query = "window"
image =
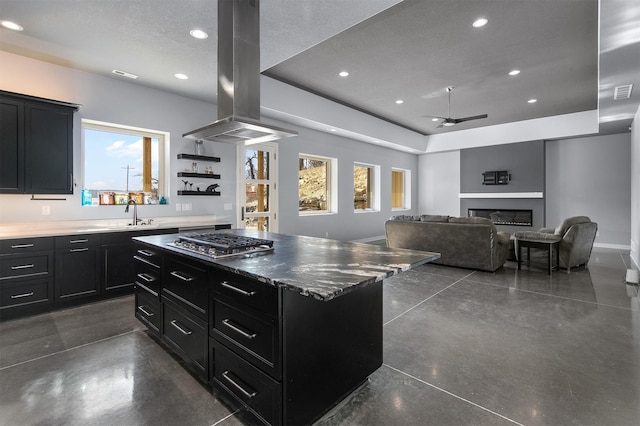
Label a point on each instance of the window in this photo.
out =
(365, 187)
(122, 163)
(400, 194)
(316, 182)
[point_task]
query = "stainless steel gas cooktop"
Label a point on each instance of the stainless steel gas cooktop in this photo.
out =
(218, 245)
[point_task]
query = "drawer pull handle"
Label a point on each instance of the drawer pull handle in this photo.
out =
(21, 246)
(146, 261)
(18, 296)
(146, 277)
(182, 276)
(238, 329)
(14, 268)
(144, 311)
(182, 329)
(248, 394)
(78, 250)
(146, 253)
(78, 241)
(226, 284)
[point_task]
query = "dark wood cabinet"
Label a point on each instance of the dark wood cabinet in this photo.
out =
(76, 267)
(48, 149)
(11, 146)
(117, 252)
(36, 145)
(26, 276)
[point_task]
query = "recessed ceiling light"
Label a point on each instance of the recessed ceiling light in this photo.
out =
(399, 101)
(480, 22)
(532, 101)
(343, 74)
(182, 76)
(514, 72)
(12, 26)
(435, 119)
(199, 34)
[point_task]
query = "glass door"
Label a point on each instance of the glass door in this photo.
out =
(258, 199)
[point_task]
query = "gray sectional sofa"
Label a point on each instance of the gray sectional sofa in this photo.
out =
(467, 242)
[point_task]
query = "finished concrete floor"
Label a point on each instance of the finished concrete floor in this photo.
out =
(461, 347)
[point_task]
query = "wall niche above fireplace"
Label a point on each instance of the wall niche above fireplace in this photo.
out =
(505, 217)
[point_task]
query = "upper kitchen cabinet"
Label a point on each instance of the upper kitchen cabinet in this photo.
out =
(36, 149)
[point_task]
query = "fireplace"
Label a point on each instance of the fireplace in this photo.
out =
(505, 217)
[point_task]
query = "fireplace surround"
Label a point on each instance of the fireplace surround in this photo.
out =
(511, 217)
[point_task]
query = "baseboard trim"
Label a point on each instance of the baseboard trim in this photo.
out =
(613, 246)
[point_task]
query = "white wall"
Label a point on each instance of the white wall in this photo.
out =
(439, 183)
(635, 190)
(591, 177)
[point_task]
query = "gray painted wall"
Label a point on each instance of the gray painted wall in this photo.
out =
(345, 224)
(525, 163)
(591, 176)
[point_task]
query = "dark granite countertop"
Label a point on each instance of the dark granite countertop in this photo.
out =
(315, 267)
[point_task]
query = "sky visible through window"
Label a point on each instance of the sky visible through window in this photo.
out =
(107, 155)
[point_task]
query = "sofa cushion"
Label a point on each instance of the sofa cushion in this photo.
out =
(475, 219)
(405, 217)
(434, 218)
(569, 222)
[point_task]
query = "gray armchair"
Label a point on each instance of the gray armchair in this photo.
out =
(578, 234)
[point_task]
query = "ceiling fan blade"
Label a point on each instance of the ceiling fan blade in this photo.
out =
(473, 117)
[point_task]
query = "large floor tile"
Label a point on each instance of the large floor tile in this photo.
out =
(28, 338)
(125, 380)
(534, 358)
(391, 398)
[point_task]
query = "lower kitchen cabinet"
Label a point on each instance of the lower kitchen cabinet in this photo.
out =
(26, 276)
(76, 267)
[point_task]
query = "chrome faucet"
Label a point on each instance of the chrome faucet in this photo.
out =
(135, 211)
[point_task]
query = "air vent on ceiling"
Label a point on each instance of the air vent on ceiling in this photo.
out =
(622, 92)
(124, 74)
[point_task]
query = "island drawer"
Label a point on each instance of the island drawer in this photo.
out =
(149, 257)
(37, 291)
(187, 336)
(254, 337)
(29, 265)
(148, 310)
(247, 384)
(25, 245)
(186, 283)
(247, 291)
(148, 278)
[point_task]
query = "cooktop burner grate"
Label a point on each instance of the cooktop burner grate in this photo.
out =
(221, 245)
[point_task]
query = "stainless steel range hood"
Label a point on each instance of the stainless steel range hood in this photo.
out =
(239, 79)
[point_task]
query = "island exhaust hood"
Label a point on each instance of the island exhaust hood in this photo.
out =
(239, 79)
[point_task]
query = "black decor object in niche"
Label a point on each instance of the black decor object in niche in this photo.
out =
(498, 177)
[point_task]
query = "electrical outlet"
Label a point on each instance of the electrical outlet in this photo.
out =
(46, 210)
(178, 207)
(597, 233)
(186, 207)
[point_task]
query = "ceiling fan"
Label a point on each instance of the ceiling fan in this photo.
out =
(449, 121)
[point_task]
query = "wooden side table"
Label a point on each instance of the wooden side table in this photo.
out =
(549, 243)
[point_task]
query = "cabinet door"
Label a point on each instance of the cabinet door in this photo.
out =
(11, 146)
(48, 149)
(76, 273)
(119, 268)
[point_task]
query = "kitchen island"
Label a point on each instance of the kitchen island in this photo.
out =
(287, 333)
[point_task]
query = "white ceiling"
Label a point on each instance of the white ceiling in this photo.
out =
(410, 50)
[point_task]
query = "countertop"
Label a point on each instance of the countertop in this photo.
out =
(314, 267)
(71, 227)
